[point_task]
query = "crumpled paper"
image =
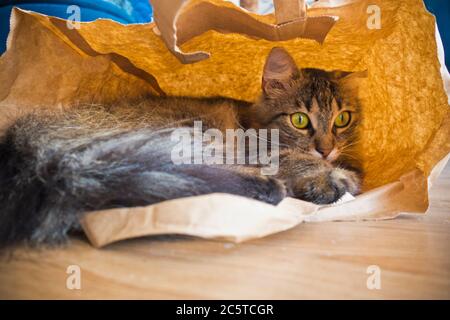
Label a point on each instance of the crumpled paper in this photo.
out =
(180, 20)
(404, 136)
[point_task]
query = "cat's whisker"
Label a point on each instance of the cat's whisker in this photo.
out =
(348, 146)
(350, 156)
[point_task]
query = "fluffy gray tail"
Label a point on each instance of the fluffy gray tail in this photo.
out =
(51, 172)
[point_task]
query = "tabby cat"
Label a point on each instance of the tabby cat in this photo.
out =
(54, 167)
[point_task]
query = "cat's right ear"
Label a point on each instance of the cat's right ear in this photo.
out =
(279, 71)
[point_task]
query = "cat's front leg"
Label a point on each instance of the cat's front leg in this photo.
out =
(315, 180)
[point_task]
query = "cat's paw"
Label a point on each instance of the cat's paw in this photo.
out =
(271, 191)
(326, 187)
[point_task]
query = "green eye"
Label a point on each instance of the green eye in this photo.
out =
(343, 119)
(299, 120)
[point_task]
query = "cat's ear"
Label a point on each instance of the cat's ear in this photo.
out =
(279, 71)
(347, 75)
(350, 81)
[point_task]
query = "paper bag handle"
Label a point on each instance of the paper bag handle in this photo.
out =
(175, 28)
(289, 10)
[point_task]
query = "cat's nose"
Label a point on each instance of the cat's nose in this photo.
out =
(324, 151)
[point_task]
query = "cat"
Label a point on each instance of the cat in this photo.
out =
(54, 166)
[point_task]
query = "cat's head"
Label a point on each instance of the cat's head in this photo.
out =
(316, 112)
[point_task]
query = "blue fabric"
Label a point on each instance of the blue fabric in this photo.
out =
(124, 11)
(441, 9)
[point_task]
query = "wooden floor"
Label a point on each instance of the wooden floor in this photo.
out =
(326, 260)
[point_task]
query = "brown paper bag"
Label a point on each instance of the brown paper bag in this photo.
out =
(405, 133)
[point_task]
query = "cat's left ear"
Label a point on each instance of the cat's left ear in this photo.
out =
(279, 71)
(350, 81)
